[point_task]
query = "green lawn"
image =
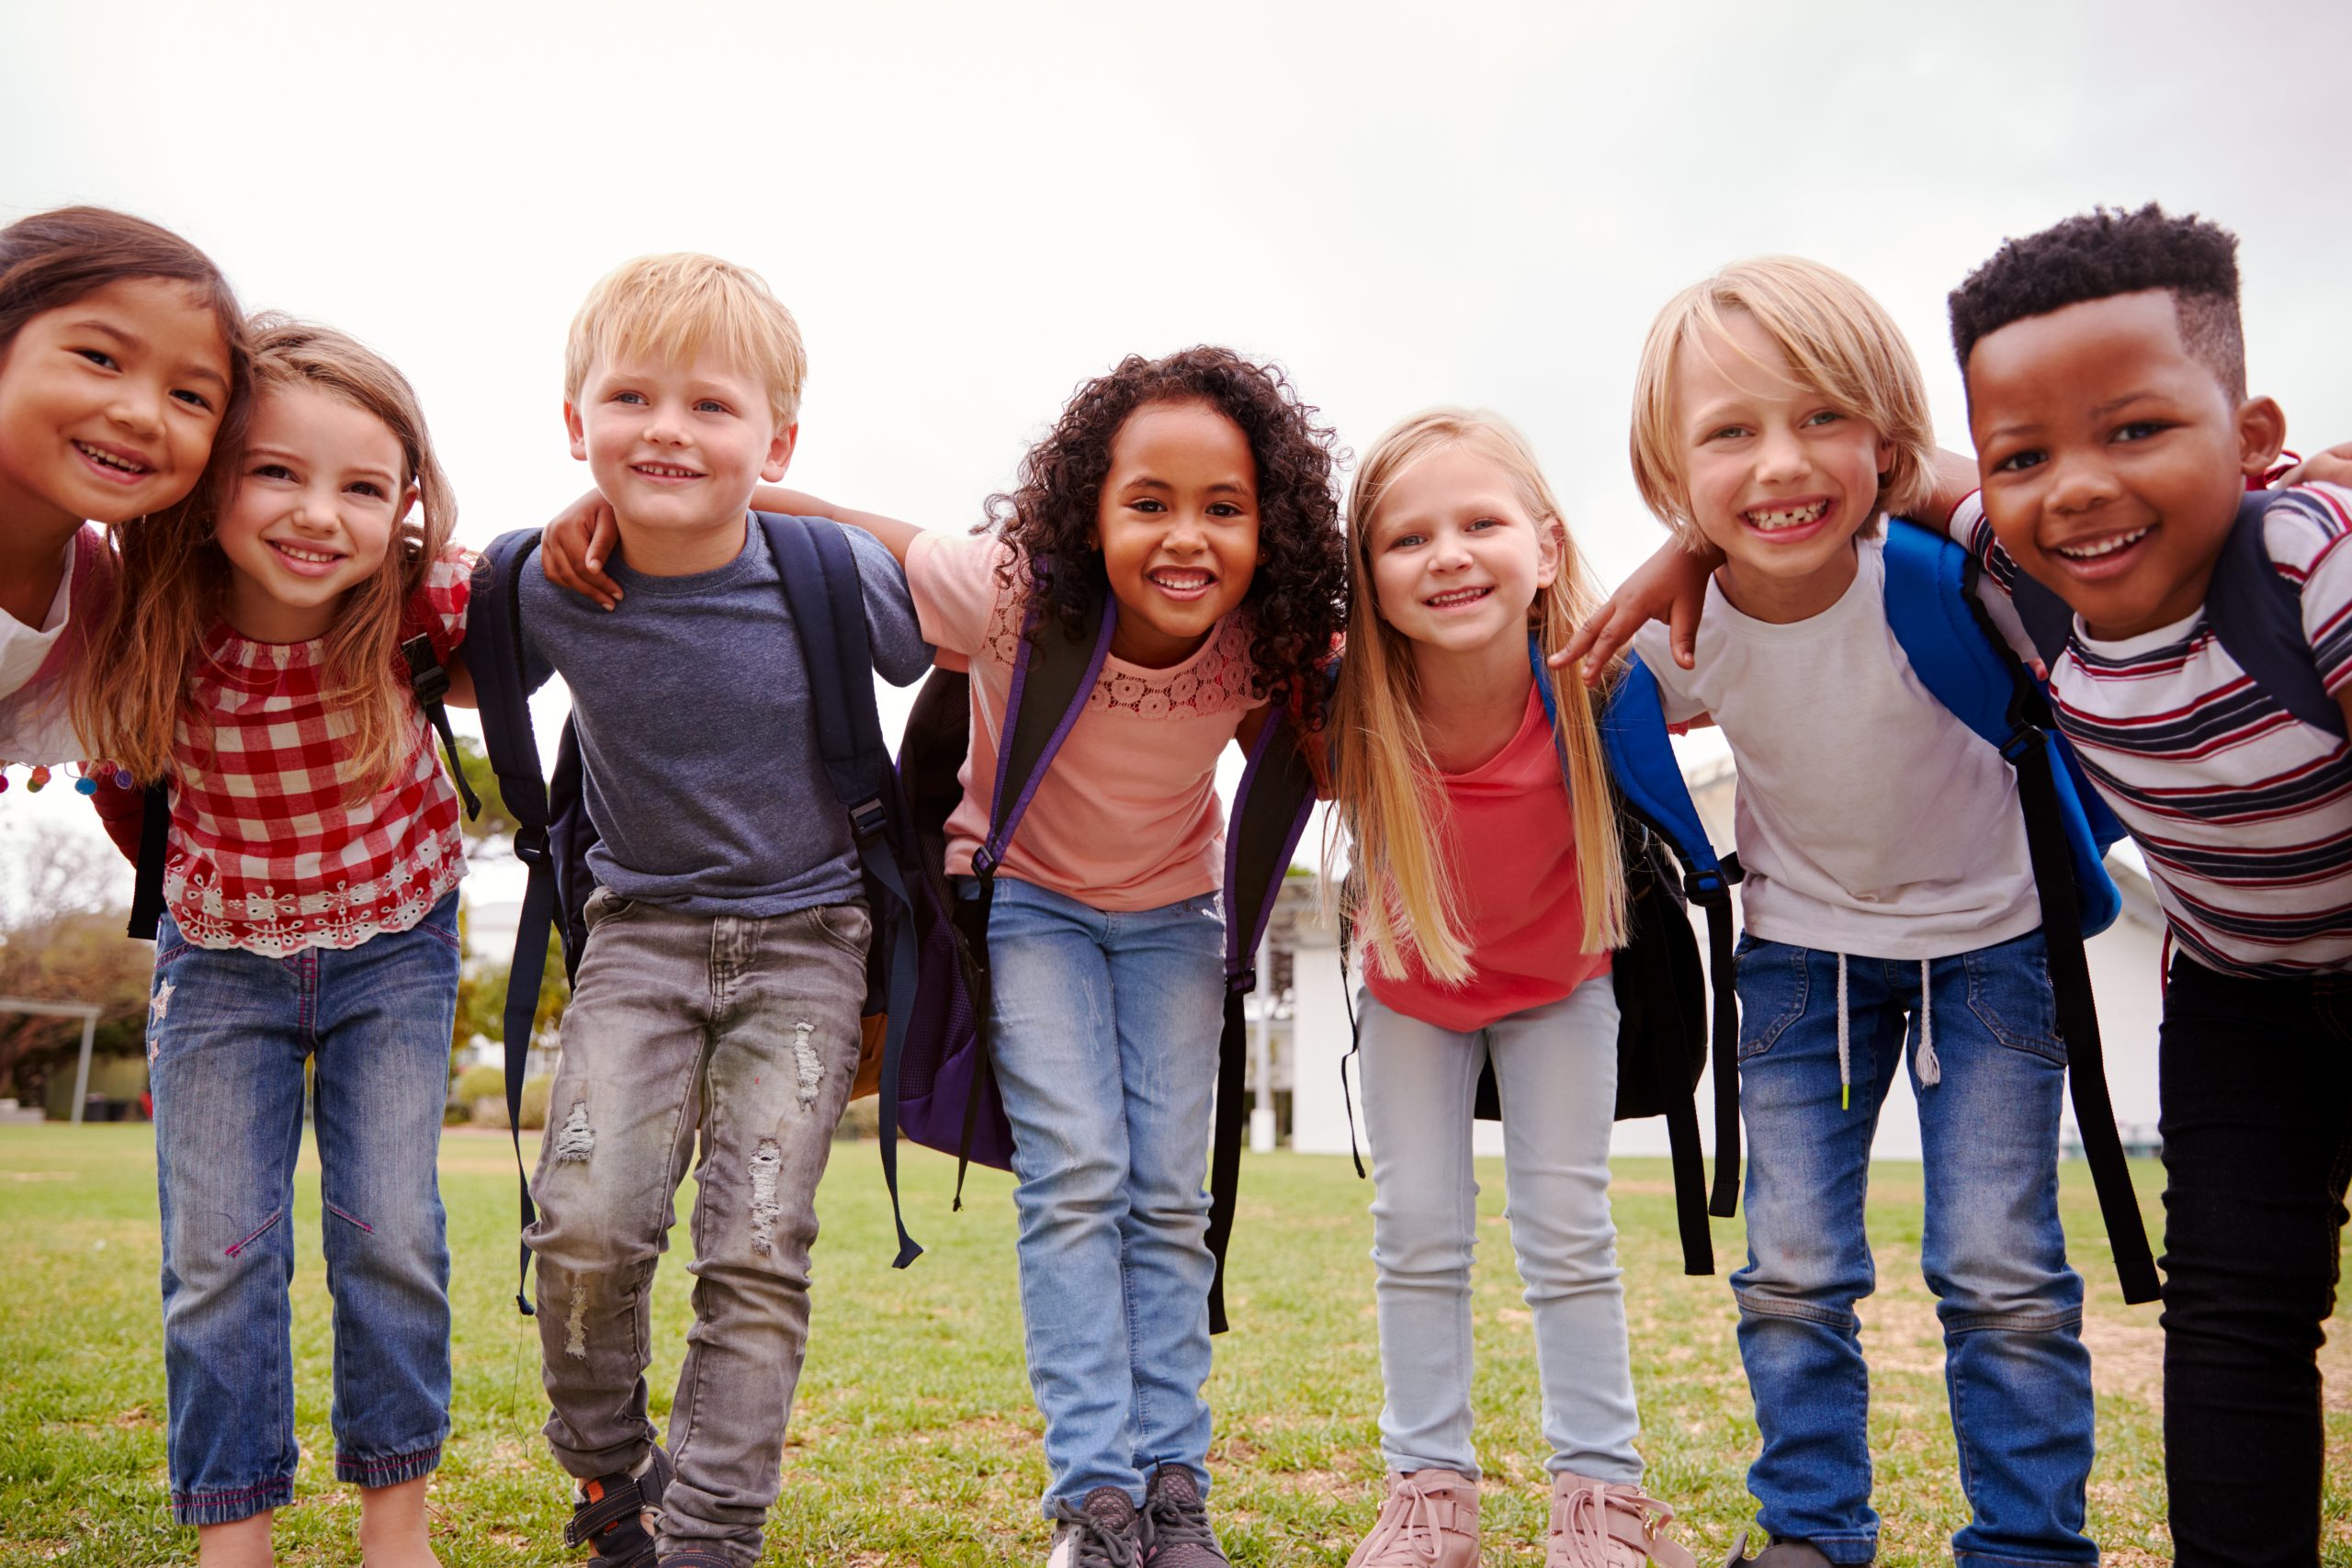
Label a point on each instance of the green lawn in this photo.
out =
(914, 1440)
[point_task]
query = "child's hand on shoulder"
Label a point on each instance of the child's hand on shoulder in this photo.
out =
(575, 546)
(2332, 467)
(1672, 586)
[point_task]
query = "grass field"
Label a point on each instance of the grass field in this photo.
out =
(914, 1440)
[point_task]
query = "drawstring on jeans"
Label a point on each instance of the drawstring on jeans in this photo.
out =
(1931, 1072)
(1844, 1060)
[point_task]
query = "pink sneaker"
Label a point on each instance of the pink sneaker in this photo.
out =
(1430, 1520)
(1614, 1524)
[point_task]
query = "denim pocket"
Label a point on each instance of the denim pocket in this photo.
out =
(605, 905)
(846, 925)
(2009, 990)
(1771, 983)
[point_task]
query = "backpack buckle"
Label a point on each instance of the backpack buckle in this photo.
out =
(983, 860)
(2019, 741)
(426, 677)
(531, 846)
(868, 818)
(1712, 885)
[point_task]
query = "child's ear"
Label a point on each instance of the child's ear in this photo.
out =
(2262, 431)
(409, 497)
(780, 452)
(1551, 548)
(579, 432)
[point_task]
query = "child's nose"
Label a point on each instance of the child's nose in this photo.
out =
(2079, 484)
(137, 409)
(1779, 455)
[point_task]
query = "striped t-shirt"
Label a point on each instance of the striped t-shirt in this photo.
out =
(2242, 812)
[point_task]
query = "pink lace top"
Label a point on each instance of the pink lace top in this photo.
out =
(1128, 818)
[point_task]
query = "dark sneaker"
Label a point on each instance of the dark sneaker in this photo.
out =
(1779, 1554)
(1103, 1531)
(609, 1513)
(1176, 1533)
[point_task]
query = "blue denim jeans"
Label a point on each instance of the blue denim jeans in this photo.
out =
(229, 1033)
(2015, 1369)
(1105, 1046)
(1557, 1069)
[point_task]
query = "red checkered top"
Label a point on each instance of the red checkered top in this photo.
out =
(268, 851)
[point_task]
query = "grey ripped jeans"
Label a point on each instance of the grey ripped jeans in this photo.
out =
(746, 1032)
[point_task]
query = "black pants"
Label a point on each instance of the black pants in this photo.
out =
(2256, 1082)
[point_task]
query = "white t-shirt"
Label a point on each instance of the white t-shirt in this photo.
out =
(1871, 821)
(33, 722)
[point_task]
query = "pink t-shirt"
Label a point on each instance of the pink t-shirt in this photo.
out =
(1515, 873)
(1127, 816)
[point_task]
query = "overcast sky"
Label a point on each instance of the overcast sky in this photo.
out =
(971, 208)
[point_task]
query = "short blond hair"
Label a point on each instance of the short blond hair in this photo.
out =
(672, 307)
(1839, 342)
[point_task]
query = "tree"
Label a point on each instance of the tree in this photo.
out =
(60, 940)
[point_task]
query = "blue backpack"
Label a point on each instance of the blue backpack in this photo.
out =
(1961, 659)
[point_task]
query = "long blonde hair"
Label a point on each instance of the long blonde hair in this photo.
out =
(1401, 892)
(174, 581)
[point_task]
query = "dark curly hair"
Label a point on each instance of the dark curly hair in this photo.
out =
(2101, 254)
(1295, 593)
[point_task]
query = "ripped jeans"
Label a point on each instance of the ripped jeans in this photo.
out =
(228, 1036)
(745, 1032)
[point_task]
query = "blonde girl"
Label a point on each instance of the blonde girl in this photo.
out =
(1487, 898)
(250, 663)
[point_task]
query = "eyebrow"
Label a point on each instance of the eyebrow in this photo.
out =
(1152, 481)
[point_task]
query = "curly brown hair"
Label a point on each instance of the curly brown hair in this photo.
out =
(1296, 592)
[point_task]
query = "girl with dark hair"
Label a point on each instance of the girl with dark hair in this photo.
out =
(1195, 492)
(122, 364)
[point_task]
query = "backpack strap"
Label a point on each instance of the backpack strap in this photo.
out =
(1269, 813)
(2257, 617)
(430, 682)
(1712, 880)
(1053, 675)
(1932, 607)
(820, 583)
(494, 659)
(1650, 782)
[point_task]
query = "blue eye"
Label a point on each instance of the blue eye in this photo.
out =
(628, 397)
(1827, 416)
(710, 405)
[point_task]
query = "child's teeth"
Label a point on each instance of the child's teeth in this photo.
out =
(2098, 547)
(1789, 517)
(111, 462)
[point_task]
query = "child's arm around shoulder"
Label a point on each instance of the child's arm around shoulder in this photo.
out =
(893, 629)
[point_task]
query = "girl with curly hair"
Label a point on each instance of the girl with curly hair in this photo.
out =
(1196, 492)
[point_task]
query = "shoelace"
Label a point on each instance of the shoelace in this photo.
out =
(1580, 1521)
(1177, 1521)
(1100, 1547)
(1413, 1526)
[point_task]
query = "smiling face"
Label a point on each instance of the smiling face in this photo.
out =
(320, 488)
(676, 448)
(2113, 461)
(1778, 477)
(108, 405)
(1176, 524)
(1457, 560)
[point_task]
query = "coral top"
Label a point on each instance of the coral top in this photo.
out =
(1127, 816)
(1515, 875)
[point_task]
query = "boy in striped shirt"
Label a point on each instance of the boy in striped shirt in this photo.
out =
(2105, 376)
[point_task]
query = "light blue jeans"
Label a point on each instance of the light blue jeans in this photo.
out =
(2016, 1374)
(229, 1033)
(1557, 1069)
(1105, 1049)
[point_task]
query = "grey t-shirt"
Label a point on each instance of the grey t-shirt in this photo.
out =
(699, 742)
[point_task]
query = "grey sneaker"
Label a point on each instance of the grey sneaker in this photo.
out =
(1103, 1531)
(1176, 1533)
